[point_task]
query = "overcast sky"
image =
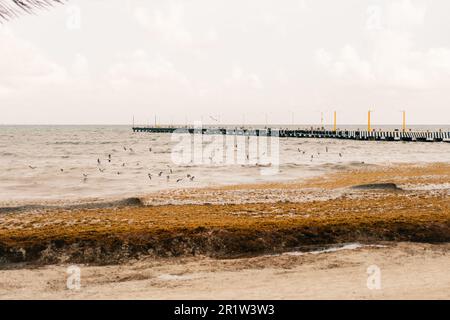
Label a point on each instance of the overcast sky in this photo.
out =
(103, 61)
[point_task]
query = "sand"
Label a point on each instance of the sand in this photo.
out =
(408, 271)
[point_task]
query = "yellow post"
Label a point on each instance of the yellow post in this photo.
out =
(404, 121)
(334, 122)
(368, 122)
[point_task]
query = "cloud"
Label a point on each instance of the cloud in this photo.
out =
(167, 24)
(23, 66)
(80, 66)
(241, 78)
(405, 15)
(391, 59)
(140, 70)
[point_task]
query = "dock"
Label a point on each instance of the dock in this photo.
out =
(397, 135)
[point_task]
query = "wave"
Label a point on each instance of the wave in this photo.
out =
(7, 154)
(127, 202)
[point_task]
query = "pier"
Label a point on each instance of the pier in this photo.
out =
(396, 135)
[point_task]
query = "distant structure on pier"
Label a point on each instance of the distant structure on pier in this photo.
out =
(396, 135)
(369, 134)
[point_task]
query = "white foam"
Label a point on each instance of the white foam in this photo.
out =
(428, 187)
(350, 246)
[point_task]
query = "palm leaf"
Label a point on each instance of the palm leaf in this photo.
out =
(13, 8)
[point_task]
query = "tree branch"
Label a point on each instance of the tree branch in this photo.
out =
(13, 8)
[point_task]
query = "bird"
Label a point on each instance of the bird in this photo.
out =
(178, 180)
(85, 176)
(125, 148)
(192, 178)
(167, 177)
(150, 149)
(188, 175)
(118, 172)
(340, 154)
(62, 170)
(150, 176)
(123, 164)
(160, 174)
(98, 161)
(31, 167)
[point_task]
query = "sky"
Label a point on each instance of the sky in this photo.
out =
(240, 62)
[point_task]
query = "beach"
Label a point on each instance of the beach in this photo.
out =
(211, 239)
(205, 150)
(408, 271)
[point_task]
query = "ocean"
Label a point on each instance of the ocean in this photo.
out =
(76, 164)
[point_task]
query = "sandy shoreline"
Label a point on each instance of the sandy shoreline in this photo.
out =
(408, 271)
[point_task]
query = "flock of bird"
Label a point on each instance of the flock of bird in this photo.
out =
(167, 173)
(318, 153)
(101, 168)
(149, 175)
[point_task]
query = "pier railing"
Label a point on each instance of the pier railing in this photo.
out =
(421, 136)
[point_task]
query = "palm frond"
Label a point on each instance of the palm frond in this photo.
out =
(13, 8)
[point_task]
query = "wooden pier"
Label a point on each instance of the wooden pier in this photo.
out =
(418, 136)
